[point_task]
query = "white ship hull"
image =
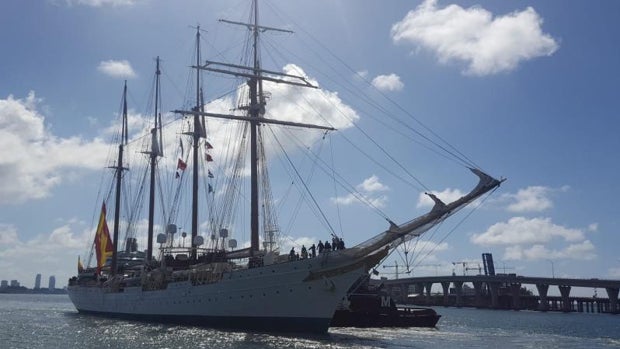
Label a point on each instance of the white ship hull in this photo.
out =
(279, 297)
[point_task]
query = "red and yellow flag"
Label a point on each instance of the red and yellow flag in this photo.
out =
(103, 243)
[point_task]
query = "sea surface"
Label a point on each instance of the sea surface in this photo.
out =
(51, 321)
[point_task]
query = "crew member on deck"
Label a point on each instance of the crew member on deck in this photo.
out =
(291, 255)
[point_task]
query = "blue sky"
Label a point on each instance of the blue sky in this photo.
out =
(527, 90)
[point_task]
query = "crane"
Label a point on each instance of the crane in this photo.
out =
(474, 268)
(430, 265)
(504, 267)
(395, 266)
(454, 264)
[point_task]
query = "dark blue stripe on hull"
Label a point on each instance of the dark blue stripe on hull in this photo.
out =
(262, 324)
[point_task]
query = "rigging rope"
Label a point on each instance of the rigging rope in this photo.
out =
(331, 229)
(448, 148)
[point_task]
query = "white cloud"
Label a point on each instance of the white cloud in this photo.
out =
(64, 237)
(345, 200)
(582, 250)
(372, 184)
(32, 159)
(427, 245)
(117, 69)
(388, 82)
(448, 195)
(308, 105)
(486, 44)
(55, 253)
(530, 199)
(285, 102)
(376, 201)
(579, 251)
(289, 103)
(513, 253)
(8, 234)
(426, 250)
(367, 193)
(521, 230)
(531, 239)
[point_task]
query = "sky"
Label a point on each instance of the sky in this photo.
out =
(528, 90)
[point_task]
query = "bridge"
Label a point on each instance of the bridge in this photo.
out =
(504, 291)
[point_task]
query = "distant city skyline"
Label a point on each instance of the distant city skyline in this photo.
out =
(37, 283)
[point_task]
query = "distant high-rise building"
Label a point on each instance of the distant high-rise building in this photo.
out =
(37, 282)
(52, 283)
(4, 284)
(14, 283)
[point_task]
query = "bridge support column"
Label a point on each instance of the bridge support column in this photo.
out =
(428, 286)
(515, 289)
(612, 293)
(494, 288)
(543, 304)
(478, 293)
(565, 292)
(446, 292)
(419, 291)
(404, 296)
(458, 286)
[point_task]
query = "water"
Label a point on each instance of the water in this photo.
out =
(50, 321)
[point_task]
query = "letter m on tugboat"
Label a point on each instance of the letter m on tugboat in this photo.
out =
(385, 301)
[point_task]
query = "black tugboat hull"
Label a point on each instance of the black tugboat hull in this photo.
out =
(403, 317)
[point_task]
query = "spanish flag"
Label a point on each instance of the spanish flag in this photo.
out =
(103, 243)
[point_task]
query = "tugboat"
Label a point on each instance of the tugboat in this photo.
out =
(371, 306)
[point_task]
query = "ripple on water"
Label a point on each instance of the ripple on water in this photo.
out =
(52, 322)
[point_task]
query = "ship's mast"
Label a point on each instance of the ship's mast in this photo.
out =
(196, 139)
(154, 154)
(255, 117)
(119, 175)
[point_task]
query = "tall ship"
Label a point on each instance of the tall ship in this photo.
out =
(203, 277)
